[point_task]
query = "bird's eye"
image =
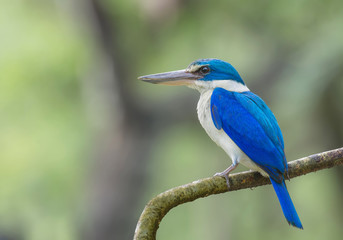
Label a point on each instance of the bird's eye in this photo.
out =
(204, 69)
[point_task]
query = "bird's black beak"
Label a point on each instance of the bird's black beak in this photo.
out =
(180, 77)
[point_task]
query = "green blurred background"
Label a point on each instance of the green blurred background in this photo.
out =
(84, 144)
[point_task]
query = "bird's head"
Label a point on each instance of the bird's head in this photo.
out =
(202, 72)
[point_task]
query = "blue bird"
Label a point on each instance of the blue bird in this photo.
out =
(238, 121)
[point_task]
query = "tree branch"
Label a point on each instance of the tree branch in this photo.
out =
(159, 206)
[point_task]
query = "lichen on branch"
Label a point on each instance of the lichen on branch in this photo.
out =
(159, 206)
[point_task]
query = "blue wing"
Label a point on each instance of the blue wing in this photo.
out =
(252, 126)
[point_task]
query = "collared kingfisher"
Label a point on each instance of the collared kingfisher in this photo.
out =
(238, 121)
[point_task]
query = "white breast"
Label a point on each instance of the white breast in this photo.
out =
(219, 136)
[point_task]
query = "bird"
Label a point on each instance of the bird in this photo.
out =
(238, 121)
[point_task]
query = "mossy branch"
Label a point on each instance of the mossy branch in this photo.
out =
(159, 206)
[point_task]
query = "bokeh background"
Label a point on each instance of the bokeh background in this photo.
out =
(84, 144)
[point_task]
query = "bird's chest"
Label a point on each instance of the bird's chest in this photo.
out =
(204, 114)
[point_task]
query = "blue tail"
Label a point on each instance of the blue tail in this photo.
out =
(286, 204)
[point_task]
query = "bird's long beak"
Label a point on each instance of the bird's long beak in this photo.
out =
(180, 77)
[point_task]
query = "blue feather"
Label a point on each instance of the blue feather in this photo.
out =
(286, 204)
(220, 70)
(215, 117)
(268, 120)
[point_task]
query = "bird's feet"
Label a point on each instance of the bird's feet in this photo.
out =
(225, 174)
